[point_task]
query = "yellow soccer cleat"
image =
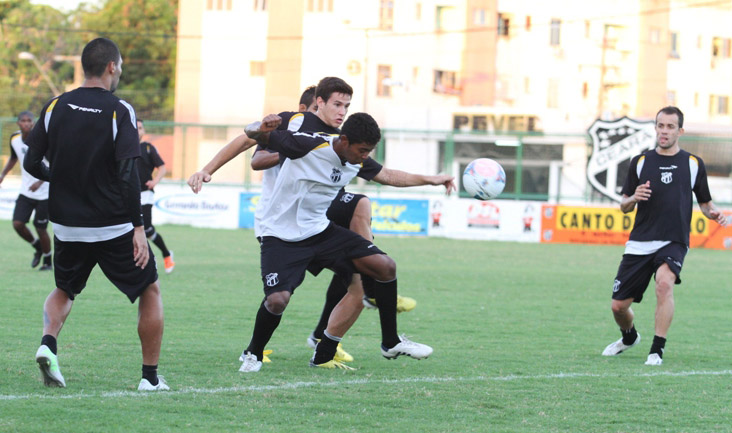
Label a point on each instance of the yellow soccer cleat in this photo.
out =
(332, 364)
(265, 358)
(404, 303)
(341, 355)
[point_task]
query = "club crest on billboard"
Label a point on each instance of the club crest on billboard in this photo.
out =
(614, 143)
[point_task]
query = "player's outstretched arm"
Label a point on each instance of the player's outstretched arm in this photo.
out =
(713, 213)
(262, 160)
(226, 154)
(400, 179)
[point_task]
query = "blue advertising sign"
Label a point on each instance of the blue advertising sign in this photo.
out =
(399, 216)
(247, 204)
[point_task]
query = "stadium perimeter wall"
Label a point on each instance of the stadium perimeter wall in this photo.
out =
(416, 214)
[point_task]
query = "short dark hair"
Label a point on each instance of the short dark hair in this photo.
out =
(672, 110)
(330, 85)
(308, 96)
(361, 128)
(25, 113)
(96, 56)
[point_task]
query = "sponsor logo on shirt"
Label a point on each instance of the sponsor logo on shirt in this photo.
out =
(670, 167)
(335, 176)
(89, 110)
(666, 177)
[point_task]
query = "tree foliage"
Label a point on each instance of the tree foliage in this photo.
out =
(145, 31)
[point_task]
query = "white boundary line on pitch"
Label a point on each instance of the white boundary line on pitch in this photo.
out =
(298, 385)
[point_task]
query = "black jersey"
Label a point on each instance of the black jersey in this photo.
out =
(149, 161)
(666, 216)
(84, 133)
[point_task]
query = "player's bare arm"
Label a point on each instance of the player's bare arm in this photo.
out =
(260, 130)
(8, 166)
(226, 154)
(713, 213)
(262, 160)
(34, 187)
(401, 179)
(642, 193)
(160, 172)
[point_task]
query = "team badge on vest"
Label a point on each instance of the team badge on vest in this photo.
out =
(335, 176)
(666, 177)
(272, 279)
(616, 286)
(347, 197)
(613, 144)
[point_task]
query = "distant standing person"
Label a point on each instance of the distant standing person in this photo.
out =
(660, 182)
(151, 163)
(90, 138)
(33, 196)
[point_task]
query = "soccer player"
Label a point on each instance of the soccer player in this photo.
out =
(150, 162)
(352, 211)
(660, 182)
(90, 138)
(33, 196)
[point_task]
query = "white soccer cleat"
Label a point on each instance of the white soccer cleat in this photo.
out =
(145, 385)
(407, 347)
(654, 359)
(48, 363)
(251, 364)
(618, 347)
(312, 342)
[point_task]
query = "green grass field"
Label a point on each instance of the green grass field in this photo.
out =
(517, 331)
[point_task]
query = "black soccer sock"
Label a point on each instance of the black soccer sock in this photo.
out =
(336, 290)
(160, 243)
(326, 349)
(368, 286)
(150, 372)
(37, 245)
(50, 341)
(264, 326)
(659, 343)
(386, 299)
(47, 258)
(629, 336)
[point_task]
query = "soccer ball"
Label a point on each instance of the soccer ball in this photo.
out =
(484, 179)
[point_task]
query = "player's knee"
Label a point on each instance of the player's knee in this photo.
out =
(18, 225)
(664, 287)
(388, 269)
(619, 307)
(277, 302)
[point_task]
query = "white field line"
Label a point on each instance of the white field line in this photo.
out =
(298, 385)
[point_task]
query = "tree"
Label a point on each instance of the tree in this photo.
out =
(145, 31)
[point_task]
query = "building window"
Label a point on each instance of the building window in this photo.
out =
(256, 69)
(585, 89)
(383, 85)
(654, 35)
(479, 17)
(718, 105)
(439, 11)
(671, 98)
(504, 23)
(260, 5)
(554, 32)
(552, 93)
(674, 45)
(446, 82)
(386, 15)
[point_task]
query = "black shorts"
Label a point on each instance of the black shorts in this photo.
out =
(24, 206)
(74, 261)
(635, 271)
(283, 264)
(147, 216)
(342, 208)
